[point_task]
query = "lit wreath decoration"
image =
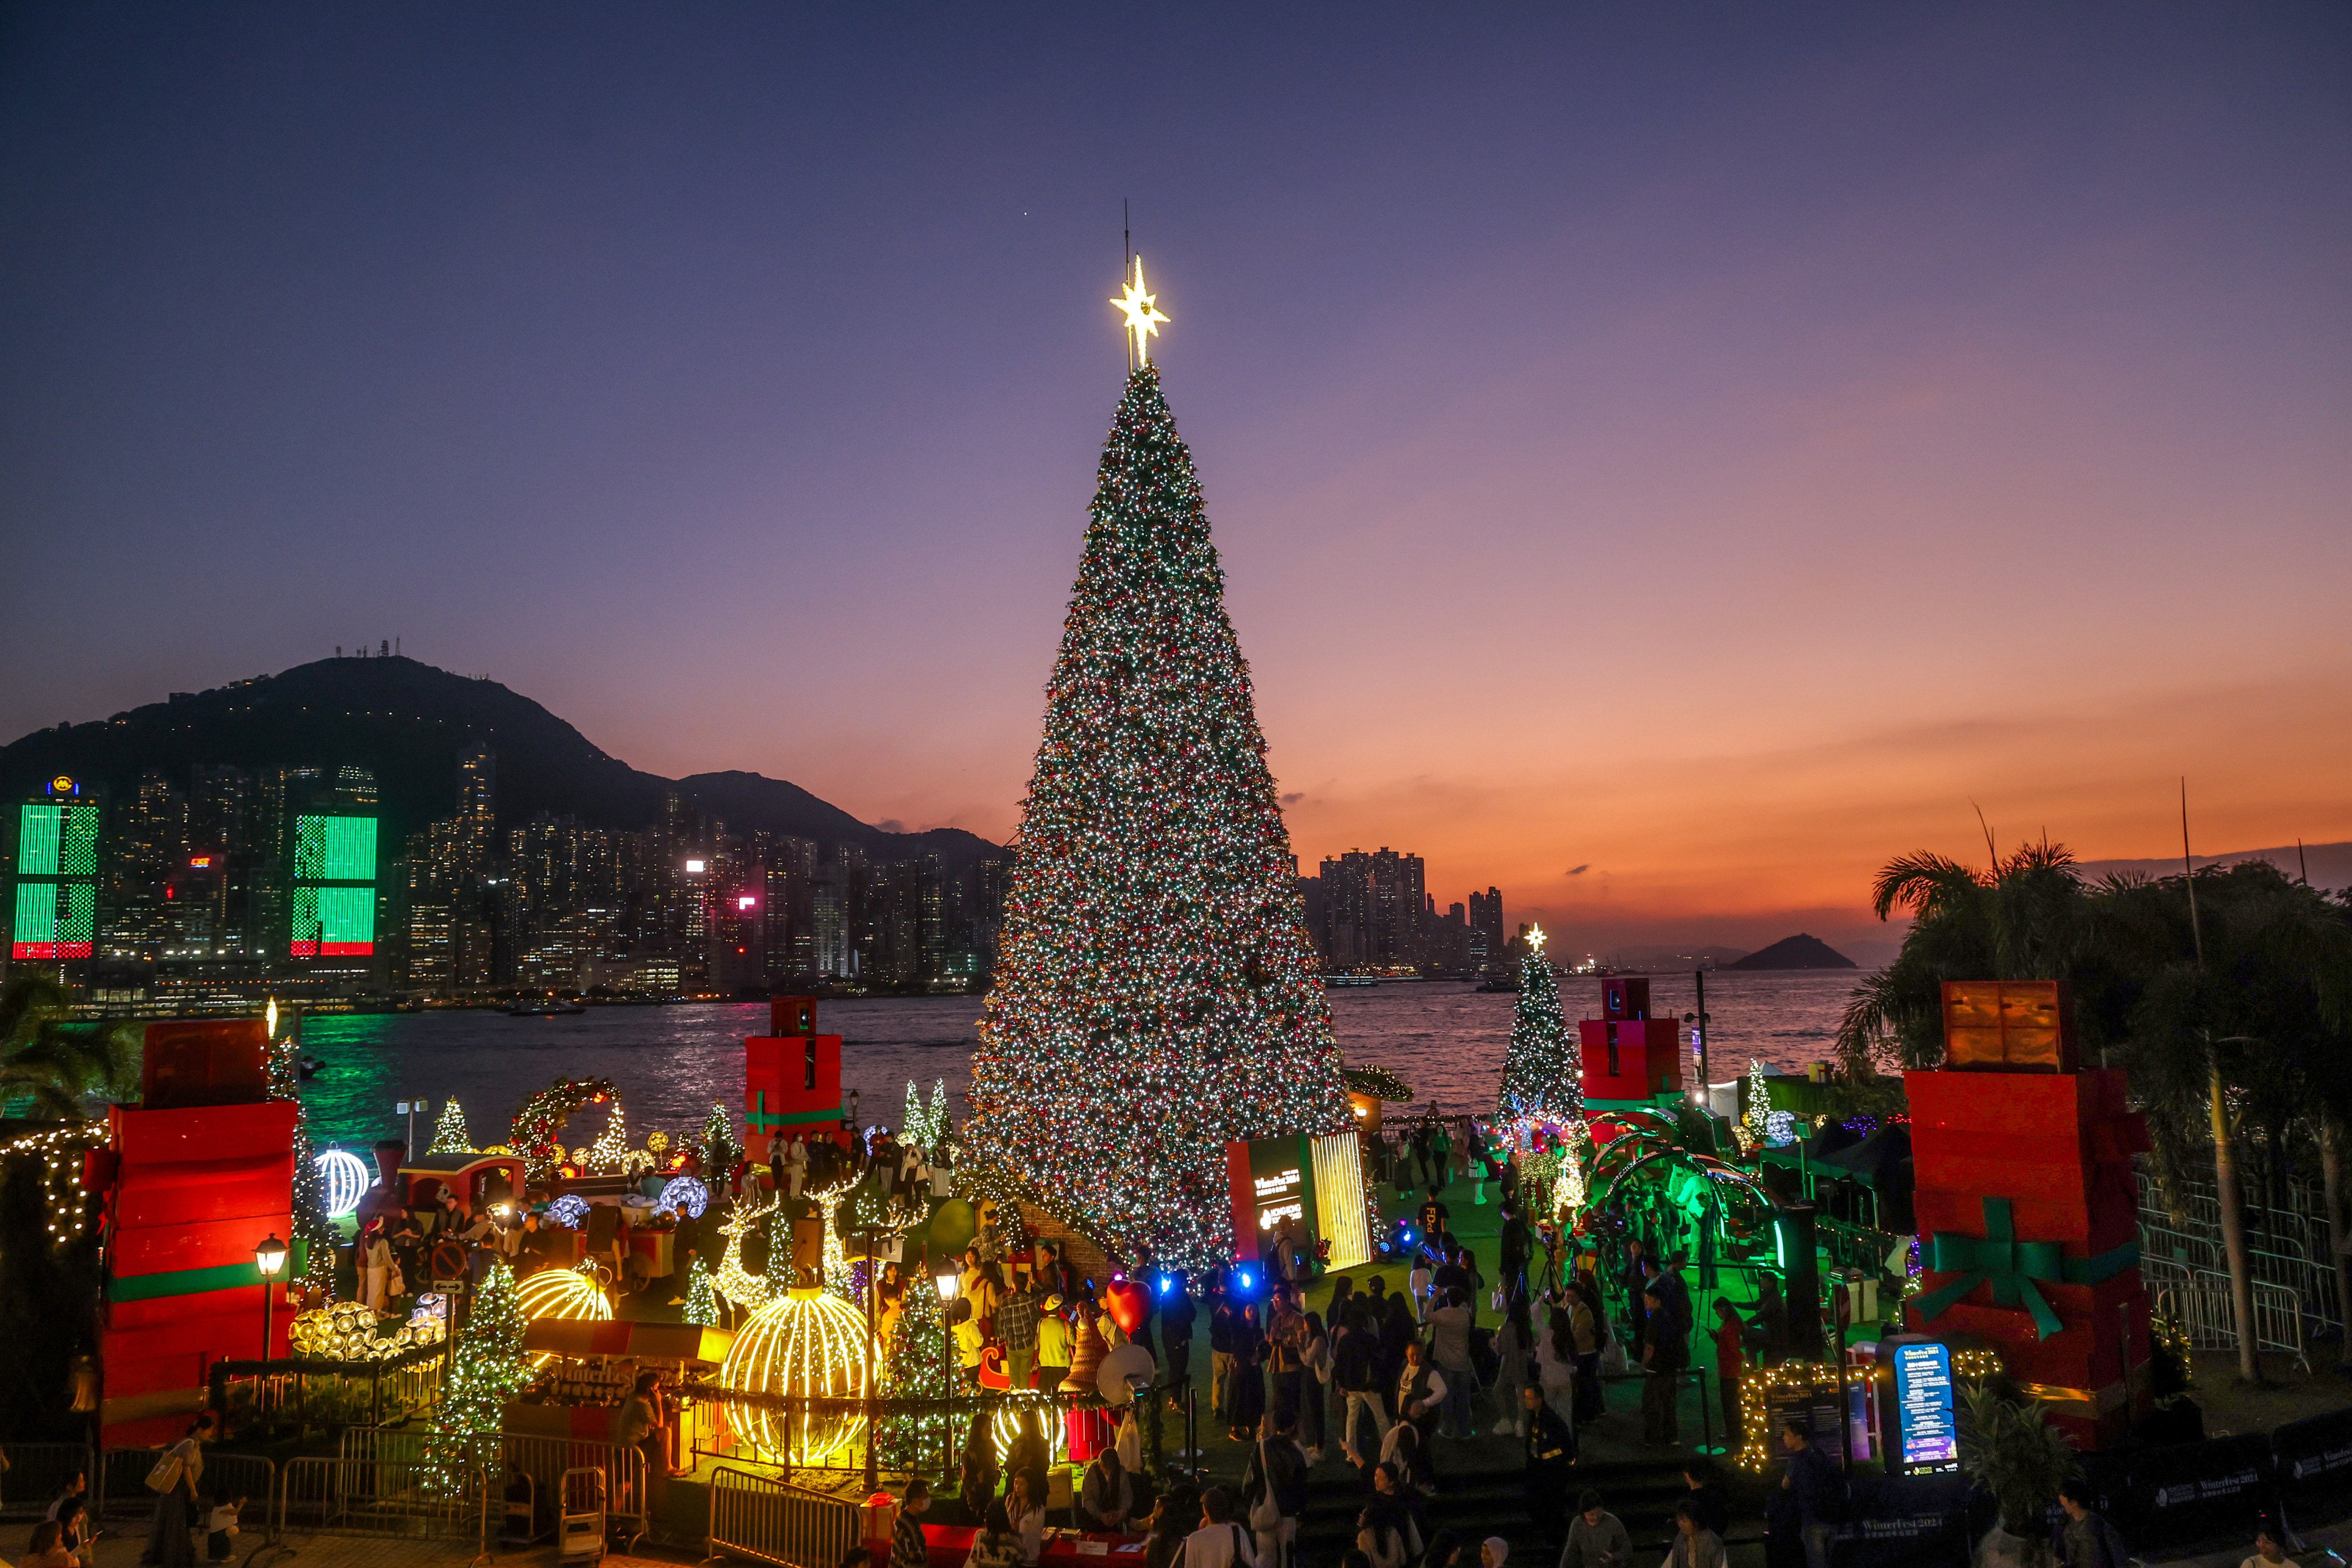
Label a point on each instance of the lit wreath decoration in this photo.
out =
(538, 1131)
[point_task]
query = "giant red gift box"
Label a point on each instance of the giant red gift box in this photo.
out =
(2055, 1149)
(193, 1189)
(1645, 1051)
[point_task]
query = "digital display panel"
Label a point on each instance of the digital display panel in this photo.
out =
(57, 840)
(54, 920)
(333, 922)
(1923, 1407)
(334, 850)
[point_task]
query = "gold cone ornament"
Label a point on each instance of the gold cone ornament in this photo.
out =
(1086, 1357)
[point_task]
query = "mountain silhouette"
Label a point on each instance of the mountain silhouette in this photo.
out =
(407, 721)
(1799, 951)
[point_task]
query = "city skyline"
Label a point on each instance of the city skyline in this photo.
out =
(1916, 413)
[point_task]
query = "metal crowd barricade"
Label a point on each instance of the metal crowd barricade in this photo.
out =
(2199, 1301)
(447, 1499)
(36, 1474)
(119, 1488)
(543, 1459)
(775, 1522)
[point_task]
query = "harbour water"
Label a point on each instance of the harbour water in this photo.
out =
(1446, 1040)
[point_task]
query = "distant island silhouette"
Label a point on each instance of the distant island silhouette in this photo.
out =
(1798, 951)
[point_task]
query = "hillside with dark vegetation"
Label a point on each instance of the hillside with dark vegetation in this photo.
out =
(407, 721)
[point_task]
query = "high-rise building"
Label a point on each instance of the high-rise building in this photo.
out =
(330, 853)
(148, 844)
(53, 856)
(1487, 939)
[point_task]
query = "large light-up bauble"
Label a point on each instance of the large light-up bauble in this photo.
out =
(809, 1344)
(564, 1295)
(1051, 1425)
(343, 1177)
(571, 1209)
(684, 1193)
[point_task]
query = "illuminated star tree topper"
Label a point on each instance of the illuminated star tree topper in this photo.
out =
(1143, 317)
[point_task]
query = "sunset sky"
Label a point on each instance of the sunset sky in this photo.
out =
(1666, 460)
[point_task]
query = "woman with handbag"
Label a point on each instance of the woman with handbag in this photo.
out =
(174, 1481)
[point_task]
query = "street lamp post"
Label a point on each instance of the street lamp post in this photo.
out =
(946, 1281)
(269, 1256)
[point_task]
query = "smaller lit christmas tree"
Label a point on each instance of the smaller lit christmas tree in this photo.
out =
(1541, 1074)
(1756, 1120)
(924, 1127)
(450, 1134)
(487, 1366)
(701, 1302)
(915, 1367)
(720, 1150)
(313, 1232)
(609, 1151)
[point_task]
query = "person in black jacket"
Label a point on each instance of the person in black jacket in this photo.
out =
(1551, 1453)
(1177, 1314)
(1710, 1504)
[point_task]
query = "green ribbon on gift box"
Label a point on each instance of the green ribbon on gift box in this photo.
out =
(2013, 1267)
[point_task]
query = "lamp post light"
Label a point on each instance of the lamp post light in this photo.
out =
(269, 1256)
(946, 1281)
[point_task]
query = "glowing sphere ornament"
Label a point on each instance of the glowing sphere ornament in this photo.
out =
(343, 1180)
(565, 1296)
(684, 1193)
(808, 1344)
(571, 1209)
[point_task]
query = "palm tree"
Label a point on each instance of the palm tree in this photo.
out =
(2026, 918)
(2240, 1024)
(50, 1064)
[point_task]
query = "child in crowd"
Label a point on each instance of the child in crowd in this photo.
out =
(221, 1526)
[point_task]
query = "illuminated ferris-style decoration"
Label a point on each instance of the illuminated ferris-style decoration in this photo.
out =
(343, 1178)
(1143, 317)
(810, 1344)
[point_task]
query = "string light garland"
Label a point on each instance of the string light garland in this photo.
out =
(1756, 1119)
(1758, 1384)
(810, 1345)
(1156, 994)
(450, 1135)
(60, 1150)
(537, 1133)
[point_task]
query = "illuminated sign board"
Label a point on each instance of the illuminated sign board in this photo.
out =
(1281, 1196)
(1928, 1431)
(57, 840)
(333, 912)
(57, 856)
(54, 920)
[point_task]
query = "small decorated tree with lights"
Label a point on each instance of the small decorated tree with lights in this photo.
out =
(701, 1302)
(915, 1367)
(313, 1232)
(487, 1366)
(1155, 996)
(1542, 1074)
(450, 1134)
(720, 1150)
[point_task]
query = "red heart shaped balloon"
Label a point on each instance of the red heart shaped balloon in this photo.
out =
(1129, 1304)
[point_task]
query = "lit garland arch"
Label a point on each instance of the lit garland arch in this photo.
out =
(538, 1133)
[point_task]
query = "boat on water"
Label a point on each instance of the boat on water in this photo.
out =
(1332, 980)
(545, 1007)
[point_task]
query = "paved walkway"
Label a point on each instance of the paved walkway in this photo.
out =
(363, 1552)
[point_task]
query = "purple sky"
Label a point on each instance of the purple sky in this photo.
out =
(1706, 446)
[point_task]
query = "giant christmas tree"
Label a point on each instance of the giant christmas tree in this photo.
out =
(1156, 997)
(1542, 1073)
